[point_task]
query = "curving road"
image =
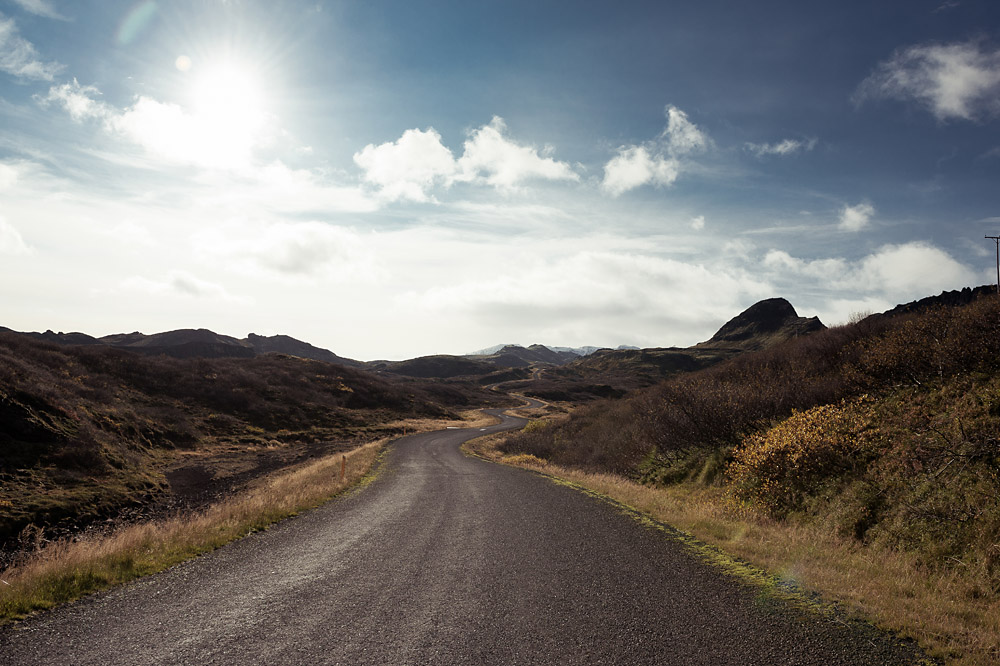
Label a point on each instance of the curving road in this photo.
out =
(445, 559)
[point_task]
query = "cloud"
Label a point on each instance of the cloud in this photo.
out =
(681, 135)
(658, 300)
(78, 101)
(300, 250)
(698, 223)
(40, 8)
(417, 162)
(857, 217)
(490, 155)
(901, 272)
(8, 176)
(19, 58)
(781, 148)
(178, 283)
(11, 242)
(952, 80)
(408, 167)
(655, 162)
(634, 166)
(167, 131)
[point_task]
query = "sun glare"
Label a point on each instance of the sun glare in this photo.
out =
(227, 108)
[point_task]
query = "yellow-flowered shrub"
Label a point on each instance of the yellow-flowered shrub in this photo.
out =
(778, 469)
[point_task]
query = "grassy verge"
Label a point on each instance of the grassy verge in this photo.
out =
(65, 570)
(888, 587)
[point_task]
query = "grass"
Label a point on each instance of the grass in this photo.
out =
(66, 570)
(942, 611)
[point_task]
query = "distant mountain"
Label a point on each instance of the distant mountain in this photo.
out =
(198, 343)
(516, 356)
(581, 351)
(489, 350)
(578, 351)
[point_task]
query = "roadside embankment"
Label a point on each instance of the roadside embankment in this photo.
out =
(888, 587)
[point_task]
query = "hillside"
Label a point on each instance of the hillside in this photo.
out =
(882, 432)
(88, 431)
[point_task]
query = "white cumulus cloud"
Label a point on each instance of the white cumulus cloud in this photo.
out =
(857, 217)
(408, 167)
(952, 80)
(19, 58)
(634, 166)
(657, 162)
(503, 163)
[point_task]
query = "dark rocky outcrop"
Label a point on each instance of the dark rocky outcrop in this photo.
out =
(763, 324)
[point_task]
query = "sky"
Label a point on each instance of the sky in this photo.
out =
(391, 179)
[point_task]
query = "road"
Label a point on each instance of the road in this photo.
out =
(444, 559)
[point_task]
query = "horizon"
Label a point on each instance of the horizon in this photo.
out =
(395, 181)
(488, 349)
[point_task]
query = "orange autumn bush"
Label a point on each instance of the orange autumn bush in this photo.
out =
(778, 469)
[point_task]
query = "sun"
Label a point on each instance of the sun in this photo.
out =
(227, 110)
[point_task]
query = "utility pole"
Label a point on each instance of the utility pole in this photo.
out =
(996, 239)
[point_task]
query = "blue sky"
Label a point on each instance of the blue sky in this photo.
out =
(391, 179)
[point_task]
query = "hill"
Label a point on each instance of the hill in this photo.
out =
(284, 344)
(88, 431)
(183, 343)
(197, 343)
(441, 366)
(610, 372)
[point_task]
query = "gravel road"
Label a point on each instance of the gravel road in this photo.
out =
(445, 559)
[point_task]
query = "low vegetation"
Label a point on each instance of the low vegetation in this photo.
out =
(68, 569)
(877, 439)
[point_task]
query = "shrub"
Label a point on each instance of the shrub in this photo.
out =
(778, 469)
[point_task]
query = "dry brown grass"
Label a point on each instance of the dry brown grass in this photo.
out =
(944, 612)
(469, 418)
(65, 570)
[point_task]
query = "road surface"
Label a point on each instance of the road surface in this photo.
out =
(444, 559)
